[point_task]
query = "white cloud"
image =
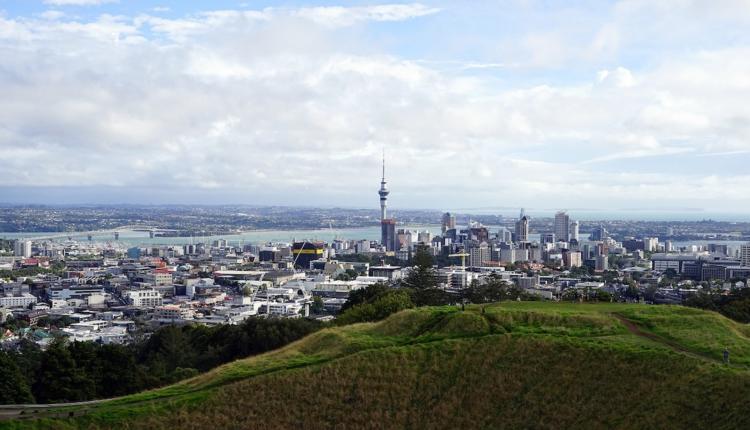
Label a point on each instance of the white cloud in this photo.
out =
(620, 77)
(78, 2)
(52, 15)
(299, 103)
(343, 16)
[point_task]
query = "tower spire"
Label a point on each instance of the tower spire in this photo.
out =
(383, 192)
(383, 164)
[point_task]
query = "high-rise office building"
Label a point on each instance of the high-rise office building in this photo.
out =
(599, 233)
(388, 234)
(522, 229)
(449, 222)
(562, 226)
(574, 227)
(479, 254)
(505, 235)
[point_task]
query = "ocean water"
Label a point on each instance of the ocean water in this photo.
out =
(140, 238)
(130, 238)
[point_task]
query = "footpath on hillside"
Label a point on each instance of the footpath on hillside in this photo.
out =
(674, 346)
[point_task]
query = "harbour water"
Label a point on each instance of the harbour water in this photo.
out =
(141, 238)
(128, 238)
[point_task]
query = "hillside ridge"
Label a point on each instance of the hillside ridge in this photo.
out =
(671, 338)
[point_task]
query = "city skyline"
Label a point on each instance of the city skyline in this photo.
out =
(405, 213)
(518, 103)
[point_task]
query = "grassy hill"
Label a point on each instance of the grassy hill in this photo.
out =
(507, 365)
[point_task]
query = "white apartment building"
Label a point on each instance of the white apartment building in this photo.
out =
(173, 312)
(17, 301)
(145, 298)
(650, 244)
(22, 248)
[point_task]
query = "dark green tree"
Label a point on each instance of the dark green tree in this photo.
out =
(422, 280)
(60, 379)
(492, 289)
(379, 307)
(14, 387)
(317, 305)
(364, 295)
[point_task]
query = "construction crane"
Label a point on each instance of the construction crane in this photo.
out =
(463, 256)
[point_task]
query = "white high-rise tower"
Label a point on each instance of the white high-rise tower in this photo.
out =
(383, 192)
(574, 228)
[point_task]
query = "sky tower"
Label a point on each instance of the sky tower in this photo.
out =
(387, 225)
(383, 192)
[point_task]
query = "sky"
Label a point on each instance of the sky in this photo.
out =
(633, 105)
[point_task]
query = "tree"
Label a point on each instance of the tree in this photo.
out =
(603, 296)
(571, 294)
(421, 275)
(379, 307)
(317, 305)
(632, 292)
(119, 374)
(364, 295)
(493, 289)
(342, 277)
(14, 388)
(422, 280)
(60, 379)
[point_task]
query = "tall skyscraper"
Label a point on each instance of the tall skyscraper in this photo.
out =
(449, 222)
(388, 234)
(562, 226)
(574, 227)
(522, 229)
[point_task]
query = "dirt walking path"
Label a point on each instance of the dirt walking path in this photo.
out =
(636, 330)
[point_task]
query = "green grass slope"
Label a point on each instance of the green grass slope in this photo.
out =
(508, 365)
